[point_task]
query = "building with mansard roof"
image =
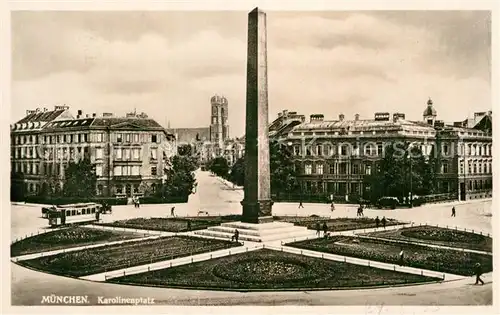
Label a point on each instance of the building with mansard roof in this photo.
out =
(129, 152)
(333, 157)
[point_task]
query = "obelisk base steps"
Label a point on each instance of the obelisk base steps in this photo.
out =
(257, 212)
(257, 232)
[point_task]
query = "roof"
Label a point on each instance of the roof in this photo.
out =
(69, 123)
(189, 134)
(146, 123)
(41, 116)
(430, 111)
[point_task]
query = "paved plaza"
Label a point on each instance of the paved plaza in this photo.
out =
(218, 198)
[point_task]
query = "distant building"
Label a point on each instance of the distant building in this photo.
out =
(129, 152)
(327, 168)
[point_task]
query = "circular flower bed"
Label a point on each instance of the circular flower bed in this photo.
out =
(268, 270)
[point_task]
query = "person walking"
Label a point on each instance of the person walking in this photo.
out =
(453, 213)
(325, 229)
(172, 212)
(235, 236)
(300, 204)
(318, 229)
(384, 221)
(401, 257)
(478, 271)
(137, 202)
(332, 207)
(377, 222)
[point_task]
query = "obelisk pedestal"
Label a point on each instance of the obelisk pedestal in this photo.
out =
(257, 201)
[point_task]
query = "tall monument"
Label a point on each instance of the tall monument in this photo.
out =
(257, 201)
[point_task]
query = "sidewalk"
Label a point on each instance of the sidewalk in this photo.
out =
(169, 263)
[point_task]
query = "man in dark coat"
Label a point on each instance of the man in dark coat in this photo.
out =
(478, 271)
(318, 229)
(377, 221)
(453, 213)
(325, 228)
(384, 221)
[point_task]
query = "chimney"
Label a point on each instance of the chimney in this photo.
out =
(87, 116)
(94, 115)
(341, 117)
(356, 117)
(45, 109)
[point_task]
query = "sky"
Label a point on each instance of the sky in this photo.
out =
(169, 64)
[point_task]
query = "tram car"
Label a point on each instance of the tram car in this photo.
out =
(78, 213)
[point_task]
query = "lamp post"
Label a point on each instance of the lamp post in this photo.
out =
(411, 183)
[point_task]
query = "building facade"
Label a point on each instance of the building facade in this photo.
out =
(129, 153)
(333, 157)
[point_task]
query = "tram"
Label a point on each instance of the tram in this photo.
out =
(77, 213)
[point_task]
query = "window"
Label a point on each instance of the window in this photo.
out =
(462, 167)
(308, 169)
(136, 153)
(319, 169)
(296, 150)
(100, 190)
(118, 171)
(475, 168)
(98, 170)
(370, 150)
(135, 170)
(85, 138)
(127, 137)
(154, 138)
(153, 154)
(118, 153)
(446, 149)
(118, 137)
(153, 170)
(308, 150)
(98, 137)
(66, 138)
(380, 149)
(469, 164)
(136, 189)
(35, 169)
(119, 189)
(344, 150)
(445, 168)
(355, 168)
(126, 154)
(136, 137)
(98, 153)
(343, 168)
(319, 150)
(332, 168)
(126, 170)
(79, 138)
(153, 188)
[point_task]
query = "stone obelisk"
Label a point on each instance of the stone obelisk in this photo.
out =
(257, 201)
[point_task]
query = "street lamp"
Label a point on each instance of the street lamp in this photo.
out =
(411, 179)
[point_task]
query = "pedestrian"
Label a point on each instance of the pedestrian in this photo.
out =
(384, 221)
(377, 221)
(235, 235)
(300, 204)
(172, 212)
(318, 229)
(137, 202)
(478, 271)
(189, 225)
(325, 229)
(401, 257)
(332, 207)
(453, 213)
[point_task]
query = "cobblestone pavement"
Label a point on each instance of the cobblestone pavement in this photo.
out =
(218, 198)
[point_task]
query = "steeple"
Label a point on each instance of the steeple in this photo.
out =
(430, 113)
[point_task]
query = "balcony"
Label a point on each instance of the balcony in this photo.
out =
(127, 177)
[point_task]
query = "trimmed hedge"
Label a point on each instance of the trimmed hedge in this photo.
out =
(68, 200)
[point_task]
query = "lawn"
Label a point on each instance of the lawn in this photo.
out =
(112, 257)
(67, 238)
(268, 269)
(442, 260)
(173, 224)
(439, 236)
(337, 224)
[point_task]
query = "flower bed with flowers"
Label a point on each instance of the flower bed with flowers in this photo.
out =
(67, 238)
(337, 224)
(417, 256)
(172, 224)
(439, 236)
(266, 269)
(112, 257)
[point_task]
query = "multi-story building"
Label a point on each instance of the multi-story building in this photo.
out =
(333, 157)
(129, 152)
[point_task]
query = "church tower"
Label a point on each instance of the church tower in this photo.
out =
(219, 129)
(430, 113)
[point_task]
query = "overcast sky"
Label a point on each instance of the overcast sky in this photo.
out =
(169, 64)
